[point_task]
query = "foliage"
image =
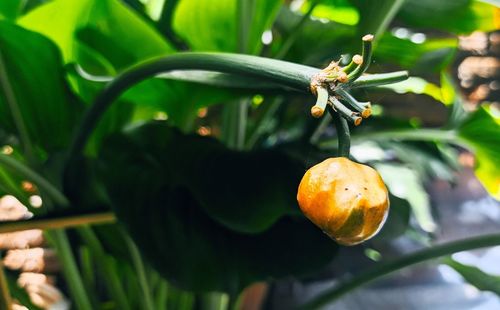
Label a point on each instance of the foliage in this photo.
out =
(206, 214)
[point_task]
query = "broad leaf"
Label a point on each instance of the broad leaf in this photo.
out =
(376, 15)
(164, 214)
(455, 16)
(10, 9)
(47, 107)
(430, 56)
(475, 276)
(215, 25)
(107, 26)
(481, 131)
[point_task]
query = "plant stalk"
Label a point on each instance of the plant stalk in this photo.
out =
(57, 223)
(383, 269)
(343, 133)
(60, 241)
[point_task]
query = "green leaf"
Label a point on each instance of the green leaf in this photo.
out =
(481, 131)
(475, 276)
(214, 25)
(376, 15)
(179, 236)
(259, 187)
(457, 16)
(10, 9)
(432, 55)
(107, 26)
(405, 183)
(47, 107)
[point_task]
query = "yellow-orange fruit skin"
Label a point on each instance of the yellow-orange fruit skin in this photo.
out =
(347, 200)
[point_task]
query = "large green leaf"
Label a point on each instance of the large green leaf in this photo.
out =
(376, 15)
(215, 25)
(481, 131)
(433, 55)
(456, 16)
(476, 276)
(148, 177)
(47, 107)
(258, 187)
(105, 25)
(10, 9)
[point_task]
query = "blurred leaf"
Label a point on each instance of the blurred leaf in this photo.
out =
(10, 9)
(405, 183)
(47, 107)
(376, 15)
(397, 220)
(455, 16)
(214, 25)
(475, 276)
(107, 26)
(174, 231)
(432, 55)
(259, 187)
(340, 11)
(481, 131)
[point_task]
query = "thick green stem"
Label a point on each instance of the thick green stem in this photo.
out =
(367, 58)
(383, 269)
(343, 133)
(371, 80)
(15, 111)
(288, 74)
(57, 223)
(31, 175)
(140, 272)
(61, 244)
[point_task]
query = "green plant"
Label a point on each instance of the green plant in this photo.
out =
(102, 120)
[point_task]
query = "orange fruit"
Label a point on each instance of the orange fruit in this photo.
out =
(347, 200)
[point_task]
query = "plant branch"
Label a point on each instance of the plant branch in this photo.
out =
(31, 175)
(370, 80)
(343, 133)
(62, 222)
(288, 74)
(383, 269)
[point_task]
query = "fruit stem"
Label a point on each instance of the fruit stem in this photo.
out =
(337, 106)
(343, 133)
(363, 108)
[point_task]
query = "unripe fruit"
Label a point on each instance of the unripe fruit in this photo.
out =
(347, 200)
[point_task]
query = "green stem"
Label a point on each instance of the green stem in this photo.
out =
(367, 58)
(15, 111)
(31, 175)
(5, 299)
(383, 269)
(61, 244)
(343, 133)
(140, 272)
(371, 80)
(57, 223)
(295, 32)
(288, 74)
(106, 265)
